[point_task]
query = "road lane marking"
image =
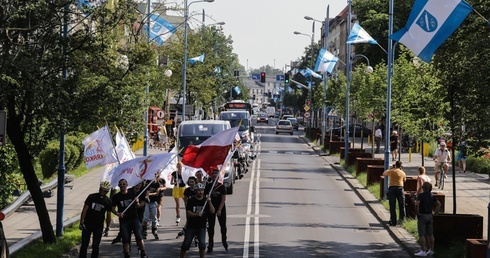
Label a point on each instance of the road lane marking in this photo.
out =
(257, 212)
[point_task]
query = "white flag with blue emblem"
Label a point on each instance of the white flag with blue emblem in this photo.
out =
(237, 90)
(359, 35)
(160, 29)
(325, 62)
(430, 23)
(308, 72)
(197, 59)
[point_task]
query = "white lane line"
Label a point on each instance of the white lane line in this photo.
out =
(257, 212)
(246, 238)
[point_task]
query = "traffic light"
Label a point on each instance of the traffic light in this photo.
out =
(286, 78)
(262, 77)
(236, 74)
(253, 97)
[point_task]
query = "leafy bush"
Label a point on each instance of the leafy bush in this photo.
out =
(479, 165)
(49, 159)
(9, 175)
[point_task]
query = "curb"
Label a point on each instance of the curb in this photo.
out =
(401, 236)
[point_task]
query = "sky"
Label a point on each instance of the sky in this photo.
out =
(262, 30)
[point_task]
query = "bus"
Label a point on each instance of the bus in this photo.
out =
(237, 105)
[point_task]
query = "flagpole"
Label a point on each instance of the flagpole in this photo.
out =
(347, 95)
(325, 77)
(388, 96)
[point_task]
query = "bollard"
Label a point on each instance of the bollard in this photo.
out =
(409, 154)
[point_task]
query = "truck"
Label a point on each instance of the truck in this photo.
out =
(271, 111)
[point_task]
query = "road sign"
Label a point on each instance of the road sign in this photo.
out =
(160, 114)
(280, 77)
(306, 108)
(256, 76)
(307, 115)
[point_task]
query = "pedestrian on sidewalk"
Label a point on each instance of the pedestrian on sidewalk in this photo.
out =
(394, 145)
(378, 136)
(95, 210)
(442, 157)
(423, 207)
(127, 203)
(462, 156)
(421, 179)
(197, 211)
(395, 192)
(178, 191)
(217, 192)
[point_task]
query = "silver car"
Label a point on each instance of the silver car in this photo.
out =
(284, 126)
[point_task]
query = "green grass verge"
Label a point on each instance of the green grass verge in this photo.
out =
(72, 236)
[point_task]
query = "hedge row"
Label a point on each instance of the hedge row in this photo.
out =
(49, 157)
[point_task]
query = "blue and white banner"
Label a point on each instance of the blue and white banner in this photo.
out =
(89, 4)
(237, 90)
(197, 59)
(325, 62)
(308, 72)
(359, 35)
(217, 70)
(160, 29)
(430, 23)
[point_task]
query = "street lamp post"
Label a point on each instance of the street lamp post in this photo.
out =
(310, 83)
(347, 95)
(325, 75)
(184, 69)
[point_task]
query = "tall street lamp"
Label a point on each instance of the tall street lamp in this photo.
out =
(184, 69)
(311, 76)
(325, 75)
(347, 95)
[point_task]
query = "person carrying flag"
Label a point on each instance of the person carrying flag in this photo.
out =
(216, 190)
(127, 203)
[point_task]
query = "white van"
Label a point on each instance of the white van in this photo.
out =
(197, 131)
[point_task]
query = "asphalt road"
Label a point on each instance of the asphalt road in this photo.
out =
(290, 204)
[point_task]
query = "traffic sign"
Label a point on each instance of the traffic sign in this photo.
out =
(280, 77)
(306, 108)
(160, 114)
(307, 115)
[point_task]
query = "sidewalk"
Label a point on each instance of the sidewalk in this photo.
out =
(23, 226)
(472, 190)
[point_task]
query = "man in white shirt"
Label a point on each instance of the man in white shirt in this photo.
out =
(442, 156)
(378, 136)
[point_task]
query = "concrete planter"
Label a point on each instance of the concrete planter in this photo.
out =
(476, 248)
(457, 227)
(351, 150)
(374, 172)
(363, 162)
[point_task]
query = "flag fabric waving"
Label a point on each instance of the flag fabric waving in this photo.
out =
(142, 168)
(160, 29)
(237, 90)
(197, 59)
(308, 72)
(99, 149)
(124, 153)
(212, 152)
(359, 35)
(430, 23)
(325, 62)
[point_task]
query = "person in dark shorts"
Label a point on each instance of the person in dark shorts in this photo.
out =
(95, 210)
(423, 206)
(197, 211)
(218, 198)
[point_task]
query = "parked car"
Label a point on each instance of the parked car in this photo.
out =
(294, 122)
(359, 128)
(285, 117)
(284, 126)
(262, 118)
